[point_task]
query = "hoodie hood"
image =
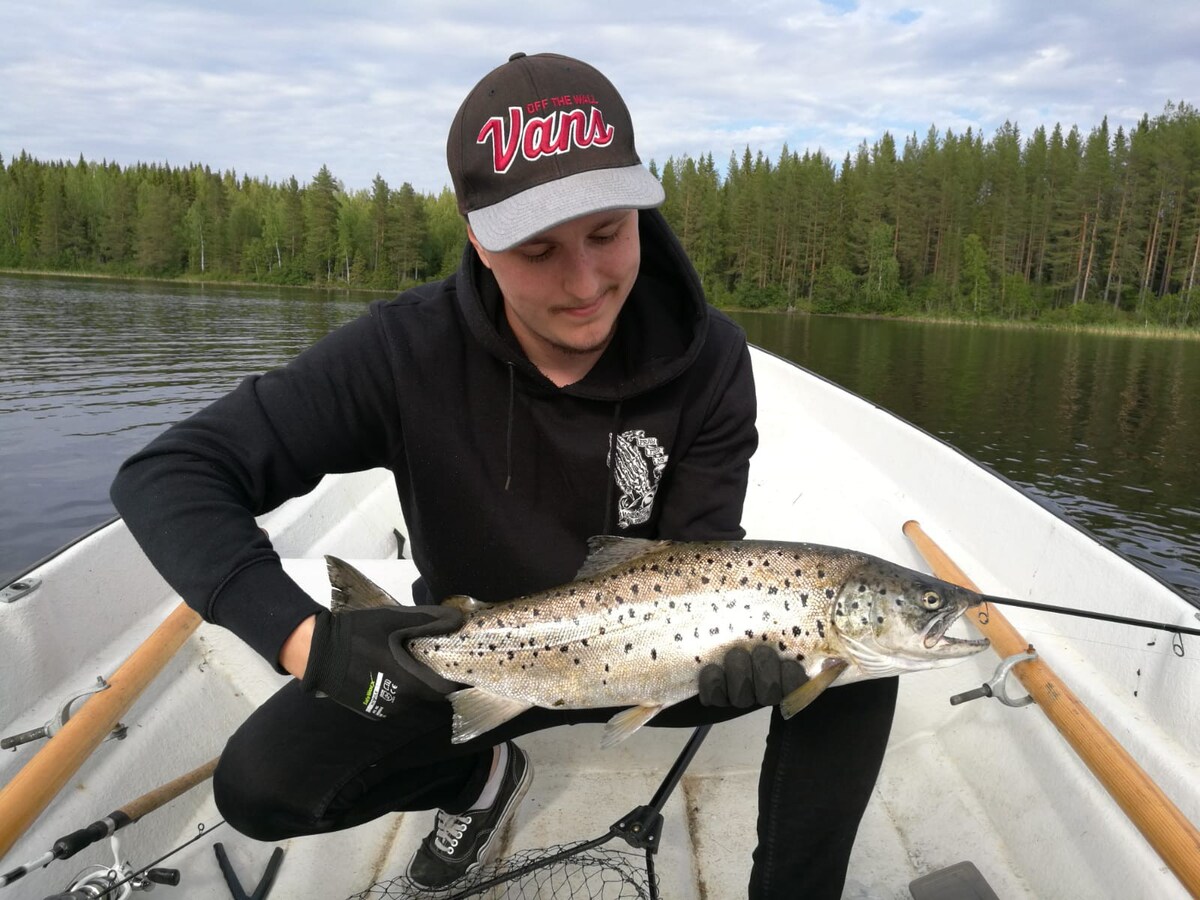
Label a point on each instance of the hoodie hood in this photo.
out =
(659, 334)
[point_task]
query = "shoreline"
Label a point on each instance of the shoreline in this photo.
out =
(1111, 330)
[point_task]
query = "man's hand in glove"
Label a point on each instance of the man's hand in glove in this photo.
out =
(746, 679)
(358, 658)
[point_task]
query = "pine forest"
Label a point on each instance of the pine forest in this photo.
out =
(1055, 225)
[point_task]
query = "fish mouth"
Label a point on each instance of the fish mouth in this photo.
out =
(935, 636)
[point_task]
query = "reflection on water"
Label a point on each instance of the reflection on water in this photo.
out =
(92, 370)
(1104, 430)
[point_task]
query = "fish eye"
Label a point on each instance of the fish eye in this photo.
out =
(931, 600)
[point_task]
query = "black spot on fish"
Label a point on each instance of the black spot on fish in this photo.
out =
(653, 653)
(799, 573)
(512, 654)
(564, 647)
(704, 579)
(820, 628)
(714, 631)
(628, 647)
(749, 633)
(829, 593)
(820, 573)
(795, 631)
(782, 647)
(743, 581)
(633, 588)
(679, 637)
(879, 620)
(577, 660)
(862, 588)
(772, 591)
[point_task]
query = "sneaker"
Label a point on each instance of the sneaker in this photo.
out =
(462, 842)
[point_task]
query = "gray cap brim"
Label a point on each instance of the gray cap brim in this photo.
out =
(503, 225)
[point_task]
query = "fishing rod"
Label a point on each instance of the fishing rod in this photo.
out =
(68, 845)
(1089, 614)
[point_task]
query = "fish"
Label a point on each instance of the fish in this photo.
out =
(643, 617)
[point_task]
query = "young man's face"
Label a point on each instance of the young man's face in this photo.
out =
(564, 288)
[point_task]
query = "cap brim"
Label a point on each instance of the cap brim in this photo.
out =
(503, 225)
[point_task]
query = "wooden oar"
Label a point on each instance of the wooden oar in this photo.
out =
(1160, 821)
(39, 781)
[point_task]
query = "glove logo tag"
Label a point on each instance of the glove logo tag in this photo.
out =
(381, 693)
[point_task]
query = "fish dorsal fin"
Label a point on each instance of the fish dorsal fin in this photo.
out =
(606, 551)
(464, 604)
(813, 688)
(352, 590)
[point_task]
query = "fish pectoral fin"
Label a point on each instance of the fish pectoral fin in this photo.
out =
(477, 711)
(352, 590)
(626, 722)
(465, 605)
(813, 688)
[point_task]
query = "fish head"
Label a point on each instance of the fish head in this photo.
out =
(896, 619)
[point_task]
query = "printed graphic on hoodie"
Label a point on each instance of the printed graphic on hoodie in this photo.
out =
(637, 462)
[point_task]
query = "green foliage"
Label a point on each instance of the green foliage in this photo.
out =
(1060, 225)
(165, 222)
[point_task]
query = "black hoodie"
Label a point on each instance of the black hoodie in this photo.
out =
(502, 476)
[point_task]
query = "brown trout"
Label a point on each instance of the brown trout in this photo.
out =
(643, 617)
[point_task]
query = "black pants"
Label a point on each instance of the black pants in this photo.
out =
(300, 766)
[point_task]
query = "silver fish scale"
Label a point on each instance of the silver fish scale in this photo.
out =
(639, 632)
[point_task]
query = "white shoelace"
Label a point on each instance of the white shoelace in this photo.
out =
(450, 829)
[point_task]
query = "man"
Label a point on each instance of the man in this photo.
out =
(568, 380)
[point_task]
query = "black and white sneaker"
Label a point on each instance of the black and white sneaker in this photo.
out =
(462, 842)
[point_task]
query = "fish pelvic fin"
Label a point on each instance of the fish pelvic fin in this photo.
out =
(626, 722)
(606, 551)
(477, 711)
(352, 590)
(813, 688)
(465, 605)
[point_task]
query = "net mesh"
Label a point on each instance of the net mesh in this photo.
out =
(597, 873)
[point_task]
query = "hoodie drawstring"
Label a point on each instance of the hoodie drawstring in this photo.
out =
(612, 475)
(508, 436)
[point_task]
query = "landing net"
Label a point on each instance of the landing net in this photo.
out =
(591, 874)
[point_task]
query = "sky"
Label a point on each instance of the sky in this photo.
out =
(279, 88)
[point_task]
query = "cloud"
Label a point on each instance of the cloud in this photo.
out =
(277, 89)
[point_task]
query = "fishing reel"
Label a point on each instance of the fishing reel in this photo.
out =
(115, 882)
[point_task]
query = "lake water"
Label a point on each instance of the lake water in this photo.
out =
(1104, 430)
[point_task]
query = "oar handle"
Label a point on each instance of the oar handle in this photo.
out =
(1160, 821)
(34, 786)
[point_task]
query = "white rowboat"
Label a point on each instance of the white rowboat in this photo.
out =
(998, 786)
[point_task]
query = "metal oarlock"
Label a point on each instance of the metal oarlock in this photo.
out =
(998, 686)
(59, 719)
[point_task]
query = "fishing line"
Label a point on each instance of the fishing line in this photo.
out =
(1062, 640)
(201, 831)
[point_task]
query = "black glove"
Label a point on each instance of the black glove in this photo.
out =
(746, 679)
(359, 660)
